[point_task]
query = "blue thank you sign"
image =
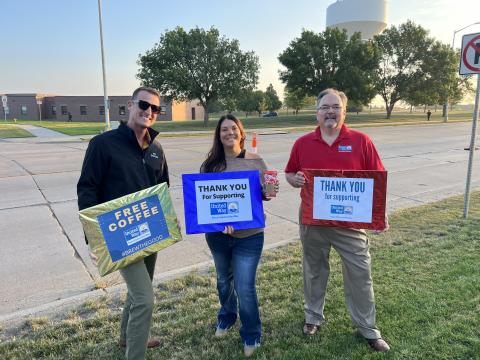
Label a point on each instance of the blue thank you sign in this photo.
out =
(214, 200)
(133, 227)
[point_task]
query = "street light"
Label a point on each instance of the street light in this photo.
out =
(453, 48)
(105, 96)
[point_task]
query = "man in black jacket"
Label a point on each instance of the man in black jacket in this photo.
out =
(117, 163)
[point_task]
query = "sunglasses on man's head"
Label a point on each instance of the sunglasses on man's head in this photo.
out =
(144, 105)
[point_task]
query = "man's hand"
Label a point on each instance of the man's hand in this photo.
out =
(296, 179)
(178, 225)
(228, 230)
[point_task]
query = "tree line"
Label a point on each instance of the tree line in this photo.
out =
(401, 64)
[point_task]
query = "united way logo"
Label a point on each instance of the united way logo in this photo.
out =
(341, 210)
(223, 208)
(137, 233)
(218, 208)
(344, 148)
(233, 207)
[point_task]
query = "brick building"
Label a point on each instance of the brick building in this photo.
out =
(88, 108)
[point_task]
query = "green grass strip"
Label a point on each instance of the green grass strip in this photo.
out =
(11, 131)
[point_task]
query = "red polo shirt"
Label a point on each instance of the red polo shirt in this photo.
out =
(352, 150)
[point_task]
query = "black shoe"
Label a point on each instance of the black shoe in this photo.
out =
(310, 329)
(379, 345)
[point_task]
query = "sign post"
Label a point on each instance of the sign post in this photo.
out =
(470, 64)
(39, 103)
(5, 106)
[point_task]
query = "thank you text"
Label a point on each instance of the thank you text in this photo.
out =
(343, 199)
(220, 201)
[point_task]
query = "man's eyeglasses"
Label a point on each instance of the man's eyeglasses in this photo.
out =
(327, 107)
(144, 105)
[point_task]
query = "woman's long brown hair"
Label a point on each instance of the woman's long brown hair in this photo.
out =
(215, 161)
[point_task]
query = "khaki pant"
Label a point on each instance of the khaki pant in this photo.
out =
(352, 246)
(138, 309)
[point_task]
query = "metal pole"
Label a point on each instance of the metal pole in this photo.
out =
(472, 149)
(5, 106)
(445, 119)
(105, 96)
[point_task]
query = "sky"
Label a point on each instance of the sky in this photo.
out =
(53, 46)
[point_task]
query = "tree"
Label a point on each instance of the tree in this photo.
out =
(259, 100)
(354, 106)
(402, 70)
(198, 65)
(272, 102)
(460, 88)
(228, 104)
(315, 62)
(296, 99)
(216, 107)
(441, 83)
(251, 101)
(443, 78)
(422, 93)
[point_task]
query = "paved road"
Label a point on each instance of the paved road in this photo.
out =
(44, 257)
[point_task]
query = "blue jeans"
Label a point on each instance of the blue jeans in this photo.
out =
(236, 262)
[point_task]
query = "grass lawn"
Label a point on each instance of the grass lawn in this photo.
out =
(427, 287)
(11, 131)
(300, 121)
(308, 120)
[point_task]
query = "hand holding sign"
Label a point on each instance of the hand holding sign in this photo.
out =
(296, 179)
(228, 230)
(299, 179)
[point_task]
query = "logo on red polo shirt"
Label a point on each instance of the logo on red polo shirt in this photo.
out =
(344, 148)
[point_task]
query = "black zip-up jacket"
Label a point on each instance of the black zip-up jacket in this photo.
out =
(115, 165)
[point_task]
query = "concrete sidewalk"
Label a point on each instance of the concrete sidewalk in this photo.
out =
(45, 260)
(41, 132)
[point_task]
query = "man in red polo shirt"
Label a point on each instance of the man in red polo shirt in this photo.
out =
(333, 146)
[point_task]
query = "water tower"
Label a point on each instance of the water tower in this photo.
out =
(366, 16)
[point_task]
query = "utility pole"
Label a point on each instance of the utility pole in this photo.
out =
(105, 96)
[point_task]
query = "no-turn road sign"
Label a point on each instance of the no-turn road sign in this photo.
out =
(470, 55)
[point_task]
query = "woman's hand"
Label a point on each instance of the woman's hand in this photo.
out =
(228, 230)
